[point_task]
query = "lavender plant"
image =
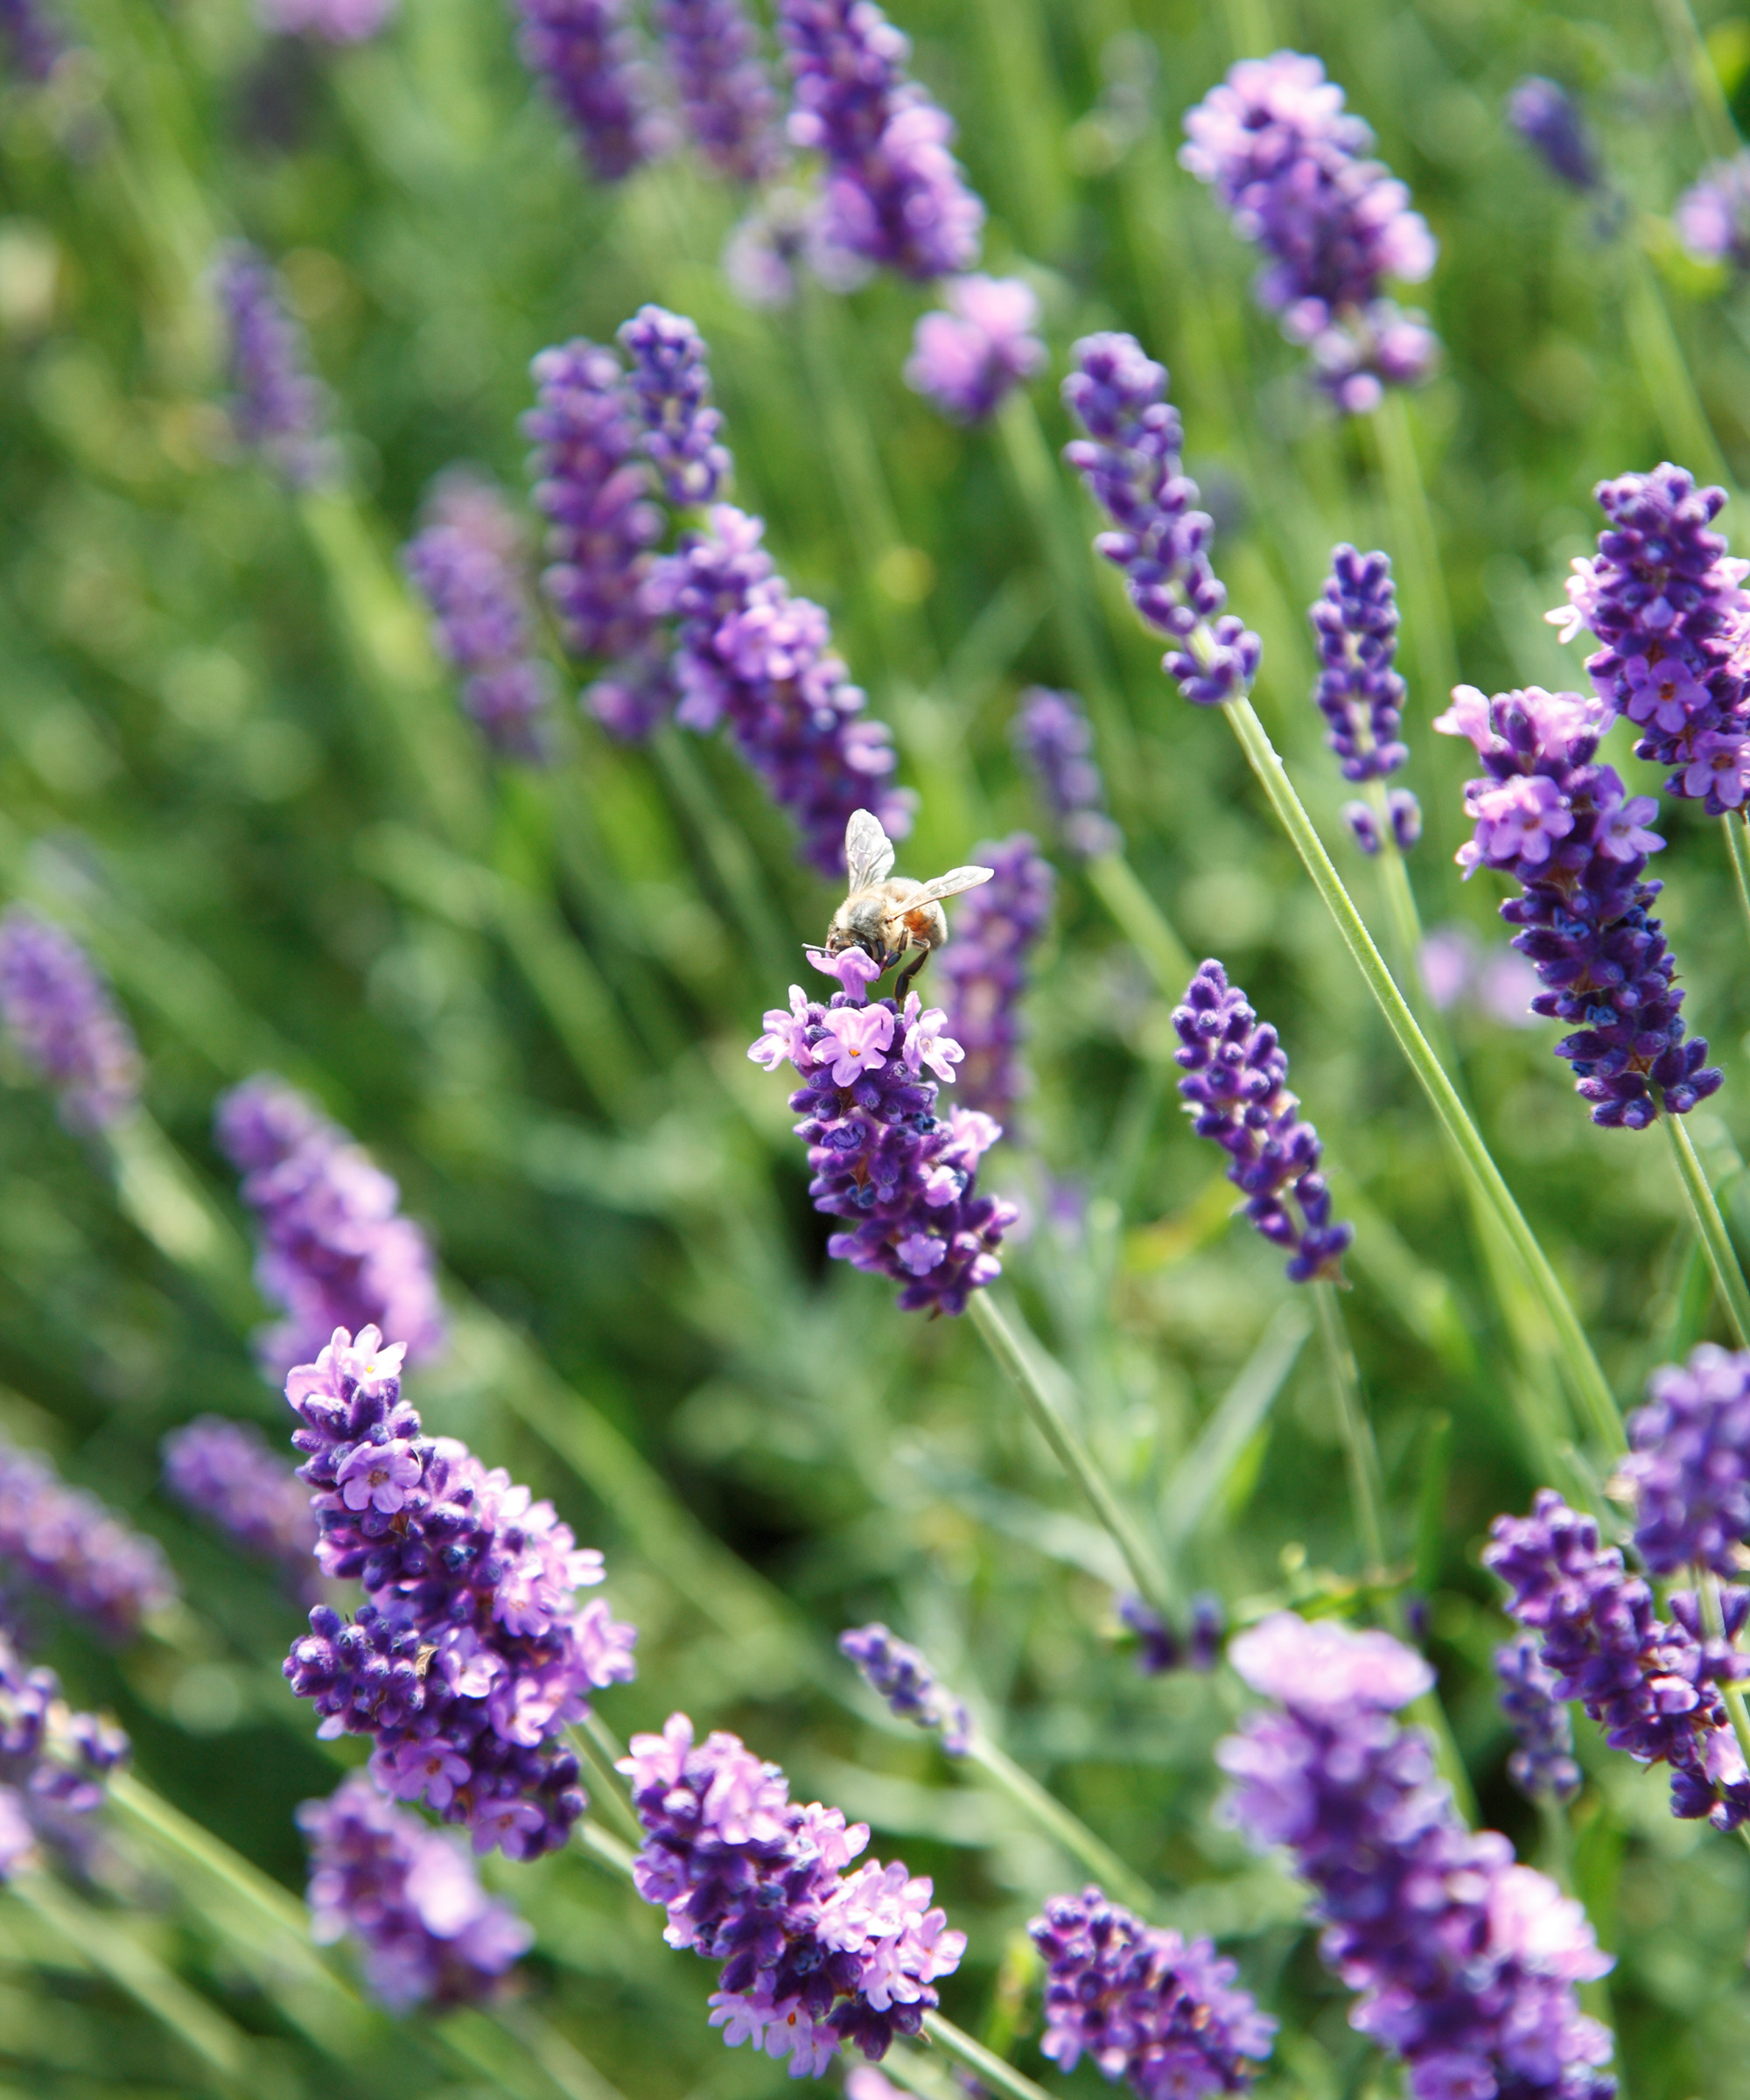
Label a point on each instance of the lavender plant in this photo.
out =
(63, 1021)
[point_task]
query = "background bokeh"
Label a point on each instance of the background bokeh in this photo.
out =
(228, 762)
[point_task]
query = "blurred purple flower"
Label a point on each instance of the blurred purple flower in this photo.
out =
(1160, 1647)
(53, 1763)
(329, 21)
(671, 383)
(726, 96)
(1056, 744)
(1544, 1763)
(1548, 118)
(902, 1675)
(985, 966)
(1712, 217)
(967, 357)
(278, 409)
(585, 56)
(1403, 812)
(66, 1544)
(227, 1473)
(35, 43)
(1689, 1464)
(64, 1022)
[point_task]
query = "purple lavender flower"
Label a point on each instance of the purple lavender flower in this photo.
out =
(1159, 1647)
(329, 21)
(430, 1932)
(1651, 1685)
(333, 1251)
(1712, 217)
(278, 409)
(35, 43)
(1402, 811)
(726, 96)
(52, 1761)
(1544, 1763)
(1285, 159)
(812, 1957)
(1146, 2006)
(1690, 1464)
(902, 1675)
(905, 1181)
(226, 1471)
(584, 55)
(467, 560)
(894, 194)
(1355, 629)
(1465, 1962)
(1548, 118)
(472, 1654)
(66, 1544)
(986, 969)
(1665, 600)
(1238, 1093)
(1131, 464)
(1056, 744)
(64, 1024)
(1563, 828)
(968, 358)
(671, 385)
(752, 655)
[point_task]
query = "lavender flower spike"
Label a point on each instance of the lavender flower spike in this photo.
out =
(52, 1762)
(1688, 1465)
(334, 1251)
(812, 1955)
(1563, 826)
(1544, 1763)
(671, 385)
(986, 969)
(1465, 1962)
(36, 44)
(1159, 1648)
(225, 1471)
(472, 1654)
(726, 96)
(278, 409)
(1285, 159)
(1131, 464)
(1712, 217)
(894, 195)
(1146, 2006)
(430, 1934)
(1652, 1685)
(902, 1675)
(66, 1544)
(969, 357)
(1354, 628)
(1548, 118)
(64, 1022)
(1056, 744)
(1237, 1089)
(582, 53)
(467, 561)
(904, 1181)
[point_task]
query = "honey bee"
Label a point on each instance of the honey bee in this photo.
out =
(885, 914)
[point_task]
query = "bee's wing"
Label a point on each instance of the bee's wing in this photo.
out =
(868, 851)
(950, 884)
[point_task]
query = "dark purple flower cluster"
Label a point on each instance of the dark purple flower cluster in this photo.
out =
(33, 40)
(1056, 744)
(1131, 464)
(1147, 2008)
(1544, 1763)
(467, 561)
(905, 1182)
(431, 1934)
(1690, 1464)
(1287, 161)
(472, 1654)
(583, 53)
(334, 1252)
(1651, 1685)
(725, 93)
(1355, 629)
(969, 356)
(812, 1955)
(278, 409)
(1564, 829)
(1666, 602)
(1467, 1962)
(64, 1022)
(52, 1761)
(1161, 1648)
(66, 1543)
(1237, 1091)
(985, 964)
(671, 383)
(751, 654)
(894, 194)
(902, 1675)
(1548, 118)
(1712, 217)
(226, 1471)
(1402, 811)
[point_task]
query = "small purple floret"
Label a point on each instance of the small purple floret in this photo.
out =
(1161, 1648)
(1056, 744)
(1548, 118)
(278, 409)
(902, 1675)
(671, 383)
(1543, 1764)
(1402, 811)
(65, 1022)
(227, 1473)
(969, 355)
(996, 928)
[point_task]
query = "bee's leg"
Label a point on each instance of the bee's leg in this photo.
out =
(902, 983)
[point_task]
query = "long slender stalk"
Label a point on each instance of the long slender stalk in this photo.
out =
(1664, 371)
(1591, 1388)
(1412, 521)
(609, 1792)
(988, 2067)
(1722, 1258)
(1061, 1824)
(1695, 69)
(1013, 1356)
(1737, 830)
(1367, 1490)
(1142, 922)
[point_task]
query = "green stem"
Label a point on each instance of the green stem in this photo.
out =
(1142, 922)
(1365, 1489)
(727, 850)
(988, 2067)
(1015, 1358)
(1694, 67)
(1060, 1824)
(1664, 372)
(610, 1788)
(1587, 1379)
(1412, 521)
(1722, 1259)
(1737, 830)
